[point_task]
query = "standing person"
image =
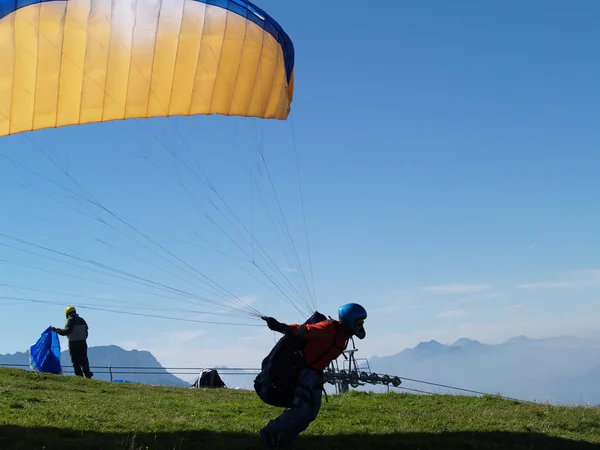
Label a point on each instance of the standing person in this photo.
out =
(76, 330)
(325, 342)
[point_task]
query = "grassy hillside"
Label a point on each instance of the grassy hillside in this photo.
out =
(39, 411)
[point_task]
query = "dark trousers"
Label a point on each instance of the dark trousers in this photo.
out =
(306, 406)
(79, 358)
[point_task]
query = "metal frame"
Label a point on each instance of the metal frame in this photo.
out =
(352, 374)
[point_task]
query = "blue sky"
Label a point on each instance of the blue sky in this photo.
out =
(448, 156)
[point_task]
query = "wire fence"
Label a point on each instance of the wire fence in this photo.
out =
(113, 371)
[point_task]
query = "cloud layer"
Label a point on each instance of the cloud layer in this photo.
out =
(574, 279)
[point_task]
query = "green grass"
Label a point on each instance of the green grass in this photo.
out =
(39, 411)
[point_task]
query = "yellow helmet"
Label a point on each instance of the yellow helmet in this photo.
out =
(69, 310)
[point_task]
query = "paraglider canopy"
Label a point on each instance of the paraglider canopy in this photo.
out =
(69, 62)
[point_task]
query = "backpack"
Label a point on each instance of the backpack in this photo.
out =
(209, 378)
(277, 380)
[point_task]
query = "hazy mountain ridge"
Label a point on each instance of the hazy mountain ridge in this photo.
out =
(563, 369)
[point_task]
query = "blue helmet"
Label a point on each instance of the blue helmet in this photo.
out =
(352, 316)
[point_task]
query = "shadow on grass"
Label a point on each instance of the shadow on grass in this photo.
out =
(14, 437)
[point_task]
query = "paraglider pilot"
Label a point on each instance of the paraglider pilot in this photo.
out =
(76, 330)
(325, 342)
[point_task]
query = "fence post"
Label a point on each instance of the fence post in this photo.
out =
(110, 371)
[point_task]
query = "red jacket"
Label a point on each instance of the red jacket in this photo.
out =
(325, 341)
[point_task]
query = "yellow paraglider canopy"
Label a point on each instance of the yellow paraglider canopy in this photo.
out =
(67, 62)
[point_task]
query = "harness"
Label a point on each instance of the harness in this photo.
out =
(278, 378)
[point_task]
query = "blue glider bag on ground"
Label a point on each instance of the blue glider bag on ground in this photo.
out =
(44, 355)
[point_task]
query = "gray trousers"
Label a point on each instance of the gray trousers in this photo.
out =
(306, 406)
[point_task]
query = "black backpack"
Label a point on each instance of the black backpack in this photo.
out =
(276, 382)
(209, 378)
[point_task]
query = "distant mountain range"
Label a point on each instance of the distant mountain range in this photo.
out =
(561, 370)
(111, 355)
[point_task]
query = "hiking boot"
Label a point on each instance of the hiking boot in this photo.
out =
(270, 439)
